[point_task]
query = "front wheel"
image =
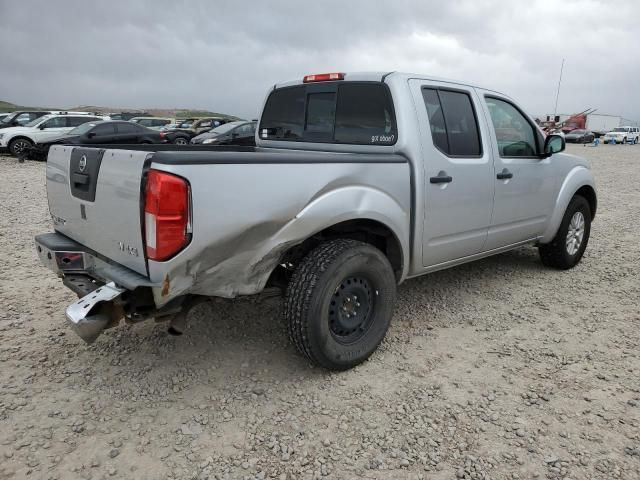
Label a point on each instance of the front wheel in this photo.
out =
(339, 303)
(19, 145)
(180, 141)
(568, 246)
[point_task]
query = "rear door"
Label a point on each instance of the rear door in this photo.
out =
(458, 171)
(128, 132)
(94, 198)
(525, 185)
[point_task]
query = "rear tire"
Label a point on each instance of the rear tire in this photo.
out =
(181, 141)
(568, 246)
(17, 145)
(339, 303)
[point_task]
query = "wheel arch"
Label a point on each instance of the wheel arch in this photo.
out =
(368, 230)
(579, 181)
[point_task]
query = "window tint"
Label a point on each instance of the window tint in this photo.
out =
(364, 115)
(454, 128)
(56, 122)
(516, 137)
(321, 112)
(128, 128)
(360, 113)
(283, 116)
(104, 129)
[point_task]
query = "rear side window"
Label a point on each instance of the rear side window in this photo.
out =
(454, 127)
(105, 129)
(128, 128)
(348, 113)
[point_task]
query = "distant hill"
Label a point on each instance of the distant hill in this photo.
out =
(156, 112)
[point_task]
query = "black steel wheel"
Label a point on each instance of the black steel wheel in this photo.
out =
(339, 303)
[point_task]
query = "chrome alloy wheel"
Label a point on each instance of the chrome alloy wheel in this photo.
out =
(575, 233)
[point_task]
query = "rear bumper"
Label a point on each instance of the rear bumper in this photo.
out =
(102, 286)
(67, 257)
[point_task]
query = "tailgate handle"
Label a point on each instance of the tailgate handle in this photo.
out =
(80, 179)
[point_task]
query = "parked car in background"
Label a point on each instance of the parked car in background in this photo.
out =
(21, 118)
(340, 203)
(42, 129)
(183, 135)
(92, 133)
(232, 133)
(622, 135)
(153, 122)
(579, 136)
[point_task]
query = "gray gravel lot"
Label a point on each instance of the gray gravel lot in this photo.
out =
(497, 369)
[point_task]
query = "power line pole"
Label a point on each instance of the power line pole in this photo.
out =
(555, 109)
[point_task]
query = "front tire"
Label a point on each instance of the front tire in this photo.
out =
(18, 145)
(339, 303)
(568, 246)
(181, 141)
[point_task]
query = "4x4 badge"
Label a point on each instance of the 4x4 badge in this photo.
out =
(83, 163)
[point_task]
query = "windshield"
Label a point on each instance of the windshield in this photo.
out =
(8, 118)
(35, 122)
(84, 128)
(227, 127)
(620, 129)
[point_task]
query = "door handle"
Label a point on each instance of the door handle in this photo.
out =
(504, 175)
(441, 179)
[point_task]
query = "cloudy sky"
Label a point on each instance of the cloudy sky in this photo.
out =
(222, 56)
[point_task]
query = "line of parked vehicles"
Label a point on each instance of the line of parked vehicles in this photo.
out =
(30, 134)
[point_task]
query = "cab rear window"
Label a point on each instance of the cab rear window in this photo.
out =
(335, 112)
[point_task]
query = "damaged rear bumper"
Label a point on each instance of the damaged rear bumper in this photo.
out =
(106, 289)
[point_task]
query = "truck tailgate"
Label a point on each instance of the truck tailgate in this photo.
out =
(95, 199)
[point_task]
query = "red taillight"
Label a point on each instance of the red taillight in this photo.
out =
(323, 77)
(163, 134)
(166, 215)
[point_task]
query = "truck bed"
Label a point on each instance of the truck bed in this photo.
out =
(249, 206)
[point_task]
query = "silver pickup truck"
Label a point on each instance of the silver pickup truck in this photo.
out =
(358, 182)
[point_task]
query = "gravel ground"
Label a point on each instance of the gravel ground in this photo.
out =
(497, 369)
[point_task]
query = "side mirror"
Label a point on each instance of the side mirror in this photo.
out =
(42, 126)
(553, 144)
(235, 135)
(91, 134)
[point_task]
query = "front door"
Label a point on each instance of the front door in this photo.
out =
(525, 184)
(458, 171)
(51, 129)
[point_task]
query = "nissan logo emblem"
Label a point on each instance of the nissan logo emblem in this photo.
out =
(83, 163)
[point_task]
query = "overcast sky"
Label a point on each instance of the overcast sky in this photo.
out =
(222, 56)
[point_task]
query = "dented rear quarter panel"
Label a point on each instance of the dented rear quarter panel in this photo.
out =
(245, 216)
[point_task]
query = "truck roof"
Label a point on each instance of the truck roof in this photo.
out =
(380, 76)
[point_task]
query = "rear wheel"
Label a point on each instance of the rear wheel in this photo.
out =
(568, 246)
(18, 145)
(339, 303)
(180, 141)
